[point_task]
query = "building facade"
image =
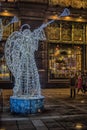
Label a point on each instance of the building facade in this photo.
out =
(65, 50)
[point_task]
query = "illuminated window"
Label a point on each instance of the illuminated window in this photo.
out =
(63, 61)
(4, 71)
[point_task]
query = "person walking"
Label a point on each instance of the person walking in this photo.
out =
(73, 86)
(84, 82)
(79, 84)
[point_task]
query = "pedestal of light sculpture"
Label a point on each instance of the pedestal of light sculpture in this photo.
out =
(19, 54)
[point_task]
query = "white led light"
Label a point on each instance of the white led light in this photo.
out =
(19, 53)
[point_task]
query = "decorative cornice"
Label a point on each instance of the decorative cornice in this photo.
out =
(73, 3)
(43, 11)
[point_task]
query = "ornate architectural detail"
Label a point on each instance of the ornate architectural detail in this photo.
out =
(72, 3)
(67, 32)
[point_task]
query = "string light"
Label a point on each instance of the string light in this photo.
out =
(19, 54)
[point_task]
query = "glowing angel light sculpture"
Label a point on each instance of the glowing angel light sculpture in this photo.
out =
(19, 54)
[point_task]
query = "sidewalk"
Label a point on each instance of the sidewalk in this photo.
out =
(61, 113)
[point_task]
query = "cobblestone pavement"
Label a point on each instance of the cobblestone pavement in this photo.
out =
(61, 113)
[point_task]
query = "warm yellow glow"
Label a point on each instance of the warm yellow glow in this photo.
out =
(68, 18)
(79, 126)
(79, 19)
(72, 3)
(55, 17)
(4, 75)
(6, 13)
(69, 51)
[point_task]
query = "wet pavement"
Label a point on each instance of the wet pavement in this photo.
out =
(61, 113)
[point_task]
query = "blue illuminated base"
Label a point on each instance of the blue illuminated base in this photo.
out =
(23, 105)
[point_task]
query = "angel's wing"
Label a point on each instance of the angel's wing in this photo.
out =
(13, 51)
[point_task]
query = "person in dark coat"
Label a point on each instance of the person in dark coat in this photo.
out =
(84, 82)
(73, 86)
